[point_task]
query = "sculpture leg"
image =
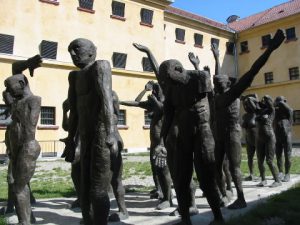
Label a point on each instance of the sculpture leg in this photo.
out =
(100, 166)
(270, 152)
(250, 155)
(156, 193)
(119, 190)
(32, 198)
(75, 175)
(279, 152)
(288, 157)
(227, 174)
(22, 199)
(165, 182)
(219, 156)
(261, 155)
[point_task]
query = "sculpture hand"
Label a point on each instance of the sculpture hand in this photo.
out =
(160, 156)
(206, 68)
(141, 48)
(33, 63)
(112, 143)
(194, 60)
(215, 50)
(276, 41)
(149, 85)
(69, 151)
(66, 106)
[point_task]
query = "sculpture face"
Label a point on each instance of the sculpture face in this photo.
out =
(82, 51)
(221, 83)
(15, 85)
(173, 71)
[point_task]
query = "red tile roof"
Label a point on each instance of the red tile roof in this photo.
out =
(275, 13)
(198, 18)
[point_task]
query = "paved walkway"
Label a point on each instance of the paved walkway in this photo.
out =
(141, 208)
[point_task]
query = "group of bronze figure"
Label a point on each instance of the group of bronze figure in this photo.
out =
(193, 127)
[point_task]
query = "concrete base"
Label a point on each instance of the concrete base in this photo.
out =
(142, 208)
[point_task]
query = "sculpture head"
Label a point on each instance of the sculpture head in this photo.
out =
(83, 52)
(278, 100)
(267, 101)
(171, 71)
(221, 83)
(16, 85)
(248, 102)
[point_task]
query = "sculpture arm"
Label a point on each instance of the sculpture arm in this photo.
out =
(194, 60)
(216, 54)
(32, 120)
(143, 104)
(287, 109)
(73, 116)
(31, 64)
(65, 121)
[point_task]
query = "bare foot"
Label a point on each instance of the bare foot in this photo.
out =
(163, 205)
(116, 217)
(275, 184)
(262, 183)
(238, 204)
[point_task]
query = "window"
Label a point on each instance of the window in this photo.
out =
(48, 115)
(2, 110)
(215, 41)
(146, 17)
(122, 117)
(265, 40)
(244, 47)
(146, 64)
(296, 116)
(147, 118)
(230, 48)
(48, 49)
(294, 73)
(6, 43)
(269, 78)
(180, 35)
(53, 2)
(290, 34)
(118, 9)
(86, 4)
(198, 38)
(119, 60)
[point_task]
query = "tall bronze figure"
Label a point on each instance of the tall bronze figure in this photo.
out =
(283, 131)
(24, 148)
(228, 130)
(249, 124)
(92, 115)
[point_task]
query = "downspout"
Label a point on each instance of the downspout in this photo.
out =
(235, 40)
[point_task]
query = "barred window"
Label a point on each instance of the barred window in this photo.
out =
(180, 34)
(146, 64)
(269, 78)
(146, 16)
(265, 40)
(215, 42)
(122, 117)
(294, 73)
(6, 43)
(290, 33)
(86, 4)
(198, 38)
(47, 115)
(296, 116)
(118, 8)
(2, 110)
(147, 118)
(119, 60)
(230, 48)
(244, 46)
(48, 49)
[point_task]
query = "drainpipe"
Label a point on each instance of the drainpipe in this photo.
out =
(235, 54)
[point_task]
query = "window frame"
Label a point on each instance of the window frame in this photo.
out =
(48, 118)
(115, 15)
(43, 47)
(292, 75)
(121, 113)
(227, 47)
(146, 22)
(116, 63)
(200, 44)
(269, 77)
(178, 38)
(82, 8)
(265, 40)
(146, 65)
(296, 117)
(8, 44)
(293, 37)
(244, 47)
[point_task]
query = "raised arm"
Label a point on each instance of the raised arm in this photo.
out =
(148, 87)
(194, 60)
(31, 64)
(245, 81)
(216, 54)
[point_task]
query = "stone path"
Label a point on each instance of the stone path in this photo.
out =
(141, 208)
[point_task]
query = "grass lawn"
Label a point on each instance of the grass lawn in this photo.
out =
(280, 209)
(2, 220)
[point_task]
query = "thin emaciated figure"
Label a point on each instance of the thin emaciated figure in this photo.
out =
(186, 134)
(249, 124)
(228, 130)
(283, 131)
(92, 116)
(154, 106)
(265, 139)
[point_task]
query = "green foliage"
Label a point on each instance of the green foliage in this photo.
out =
(141, 169)
(2, 220)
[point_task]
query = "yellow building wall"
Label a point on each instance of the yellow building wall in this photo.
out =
(285, 57)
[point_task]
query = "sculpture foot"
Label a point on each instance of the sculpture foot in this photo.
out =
(280, 176)
(217, 222)
(286, 178)
(192, 210)
(275, 184)
(32, 218)
(262, 183)
(184, 222)
(238, 204)
(75, 204)
(117, 217)
(154, 195)
(251, 177)
(229, 194)
(6, 210)
(163, 205)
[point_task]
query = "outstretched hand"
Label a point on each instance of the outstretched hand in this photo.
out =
(112, 143)
(194, 59)
(142, 48)
(149, 85)
(215, 50)
(160, 156)
(69, 151)
(276, 41)
(33, 63)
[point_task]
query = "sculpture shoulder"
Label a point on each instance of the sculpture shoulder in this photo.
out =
(102, 65)
(72, 75)
(33, 99)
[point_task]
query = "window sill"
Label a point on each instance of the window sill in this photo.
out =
(118, 17)
(86, 10)
(122, 127)
(290, 40)
(146, 127)
(50, 2)
(245, 52)
(2, 127)
(47, 127)
(180, 42)
(146, 24)
(198, 46)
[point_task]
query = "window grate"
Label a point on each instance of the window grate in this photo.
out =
(146, 64)
(48, 49)
(118, 8)
(146, 16)
(244, 46)
(86, 4)
(180, 34)
(122, 117)
(294, 73)
(290, 33)
(265, 40)
(215, 41)
(147, 118)
(269, 78)
(7, 43)
(230, 48)
(48, 115)
(296, 116)
(198, 38)
(119, 60)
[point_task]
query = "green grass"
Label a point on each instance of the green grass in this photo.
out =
(138, 154)
(279, 209)
(141, 169)
(2, 220)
